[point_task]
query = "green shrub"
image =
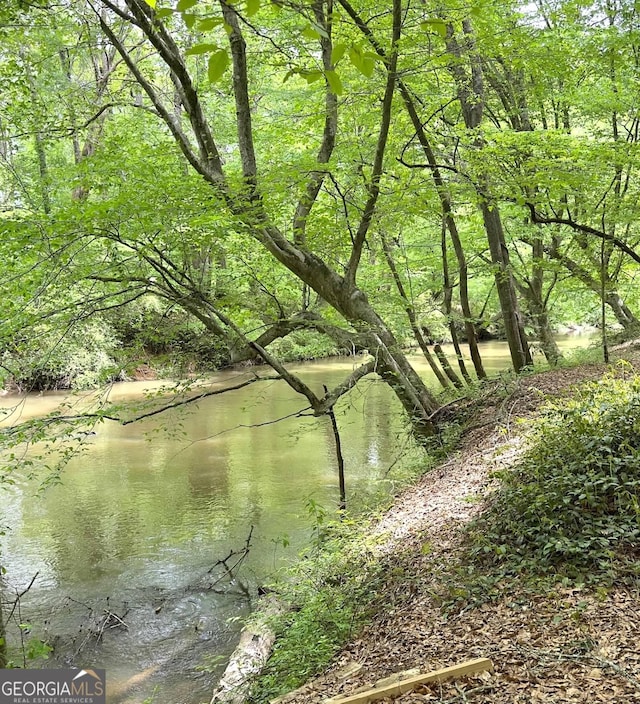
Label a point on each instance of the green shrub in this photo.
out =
(572, 505)
(78, 357)
(148, 327)
(304, 345)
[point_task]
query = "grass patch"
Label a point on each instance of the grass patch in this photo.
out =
(330, 594)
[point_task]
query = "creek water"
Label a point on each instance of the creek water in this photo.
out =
(146, 511)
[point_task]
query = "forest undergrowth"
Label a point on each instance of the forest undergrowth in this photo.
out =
(521, 546)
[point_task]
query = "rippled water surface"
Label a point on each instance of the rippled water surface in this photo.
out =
(143, 515)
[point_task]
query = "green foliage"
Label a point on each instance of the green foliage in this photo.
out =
(148, 327)
(31, 652)
(572, 505)
(36, 649)
(77, 357)
(303, 345)
(330, 595)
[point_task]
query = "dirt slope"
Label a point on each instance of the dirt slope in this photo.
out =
(567, 646)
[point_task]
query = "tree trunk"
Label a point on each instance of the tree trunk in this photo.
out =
(623, 314)
(3, 631)
(532, 290)
(514, 329)
(43, 167)
(448, 296)
(411, 315)
(470, 87)
(452, 229)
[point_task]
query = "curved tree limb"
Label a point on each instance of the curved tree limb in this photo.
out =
(584, 229)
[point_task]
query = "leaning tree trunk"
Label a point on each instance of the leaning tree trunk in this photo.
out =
(245, 205)
(621, 311)
(623, 314)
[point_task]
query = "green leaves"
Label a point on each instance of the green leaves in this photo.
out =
(313, 75)
(253, 6)
(435, 25)
(335, 84)
(200, 49)
(184, 5)
(364, 61)
(218, 63)
(209, 23)
(571, 505)
(314, 31)
(338, 52)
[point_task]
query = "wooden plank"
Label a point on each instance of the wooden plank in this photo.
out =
(393, 690)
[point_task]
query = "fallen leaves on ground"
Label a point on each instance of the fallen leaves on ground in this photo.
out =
(569, 645)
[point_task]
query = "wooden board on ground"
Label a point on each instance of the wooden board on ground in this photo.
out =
(393, 690)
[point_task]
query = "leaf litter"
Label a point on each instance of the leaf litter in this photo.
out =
(567, 645)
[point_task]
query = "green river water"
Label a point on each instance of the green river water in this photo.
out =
(142, 515)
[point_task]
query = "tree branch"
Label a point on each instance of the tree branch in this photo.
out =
(584, 229)
(173, 125)
(328, 401)
(195, 399)
(378, 163)
(54, 419)
(154, 30)
(238, 49)
(329, 133)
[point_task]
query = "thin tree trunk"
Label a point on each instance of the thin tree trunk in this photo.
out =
(342, 505)
(603, 311)
(41, 154)
(471, 97)
(623, 314)
(441, 189)
(448, 295)
(411, 315)
(514, 328)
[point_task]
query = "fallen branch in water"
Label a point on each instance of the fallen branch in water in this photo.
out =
(241, 555)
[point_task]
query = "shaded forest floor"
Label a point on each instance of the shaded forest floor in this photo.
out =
(570, 644)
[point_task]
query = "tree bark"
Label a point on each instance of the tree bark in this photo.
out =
(411, 315)
(3, 632)
(470, 92)
(448, 297)
(513, 325)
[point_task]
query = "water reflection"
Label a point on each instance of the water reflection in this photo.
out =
(142, 516)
